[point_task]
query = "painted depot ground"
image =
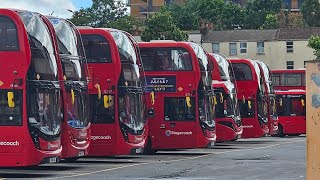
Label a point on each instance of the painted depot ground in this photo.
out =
(250, 159)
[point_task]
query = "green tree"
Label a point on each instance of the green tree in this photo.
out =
(100, 14)
(311, 12)
(270, 23)
(183, 15)
(161, 26)
(257, 11)
(127, 23)
(314, 43)
(289, 20)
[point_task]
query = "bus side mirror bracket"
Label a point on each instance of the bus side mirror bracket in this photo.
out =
(10, 97)
(106, 101)
(188, 101)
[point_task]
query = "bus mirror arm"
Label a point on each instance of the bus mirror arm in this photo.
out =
(152, 98)
(188, 101)
(10, 97)
(106, 101)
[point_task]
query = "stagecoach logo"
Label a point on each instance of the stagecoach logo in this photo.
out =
(101, 137)
(247, 126)
(9, 143)
(169, 133)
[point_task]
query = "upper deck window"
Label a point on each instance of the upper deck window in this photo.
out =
(8, 35)
(242, 72)
(97, 48)
(166, 59)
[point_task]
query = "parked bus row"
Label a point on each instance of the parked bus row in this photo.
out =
(69, 92)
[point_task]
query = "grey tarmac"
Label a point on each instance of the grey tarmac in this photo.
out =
(267, 158)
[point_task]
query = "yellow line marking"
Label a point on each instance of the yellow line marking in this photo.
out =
(177, 160)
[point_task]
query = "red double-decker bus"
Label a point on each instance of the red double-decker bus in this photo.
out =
(182, 115)
(30, 110)
(291, 109)
(116, 92)
(228, 121)
(286, 79)
(252, 98)
(75, 127)
(272, 112)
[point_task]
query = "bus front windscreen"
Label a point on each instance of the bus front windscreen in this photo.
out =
(206, 109)
(225, 105)
(291, 105)
(44, 109)
(131, 102)
(71, 53)
(43, 90)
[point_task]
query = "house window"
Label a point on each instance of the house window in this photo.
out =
(243, 47)
(215, 48)
(290, 64)
(260, 47)
(289, 47)
(233, 49)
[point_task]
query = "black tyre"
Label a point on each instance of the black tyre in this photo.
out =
(148, 148)
(280, 132)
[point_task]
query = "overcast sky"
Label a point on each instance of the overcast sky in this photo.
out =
(46, 7)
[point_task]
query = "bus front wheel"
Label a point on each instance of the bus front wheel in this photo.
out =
(280, 131)
(148, 148)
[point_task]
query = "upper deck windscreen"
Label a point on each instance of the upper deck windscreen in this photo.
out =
(70, 45)
(223, 66)
(166, 59)
(97, 48)
(242, 72)
(8, 35)
(44, 61)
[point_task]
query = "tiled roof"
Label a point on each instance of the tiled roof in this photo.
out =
(241, 35)
(298, 33)
(261, 35)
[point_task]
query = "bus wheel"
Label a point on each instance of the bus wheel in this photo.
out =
(148, 148)
(280, 132)
(71, 160)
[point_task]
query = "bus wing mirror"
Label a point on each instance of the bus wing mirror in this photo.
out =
(215, 100)
(10, 97)
(97, 86)
(249, 104)
(302, 102)
(72, 96)
(106, 101)
(152, 98)
(188, 101)
(221, 98)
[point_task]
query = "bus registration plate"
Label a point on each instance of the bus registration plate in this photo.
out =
(139, 150)
(81, 153)
(52, 160)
